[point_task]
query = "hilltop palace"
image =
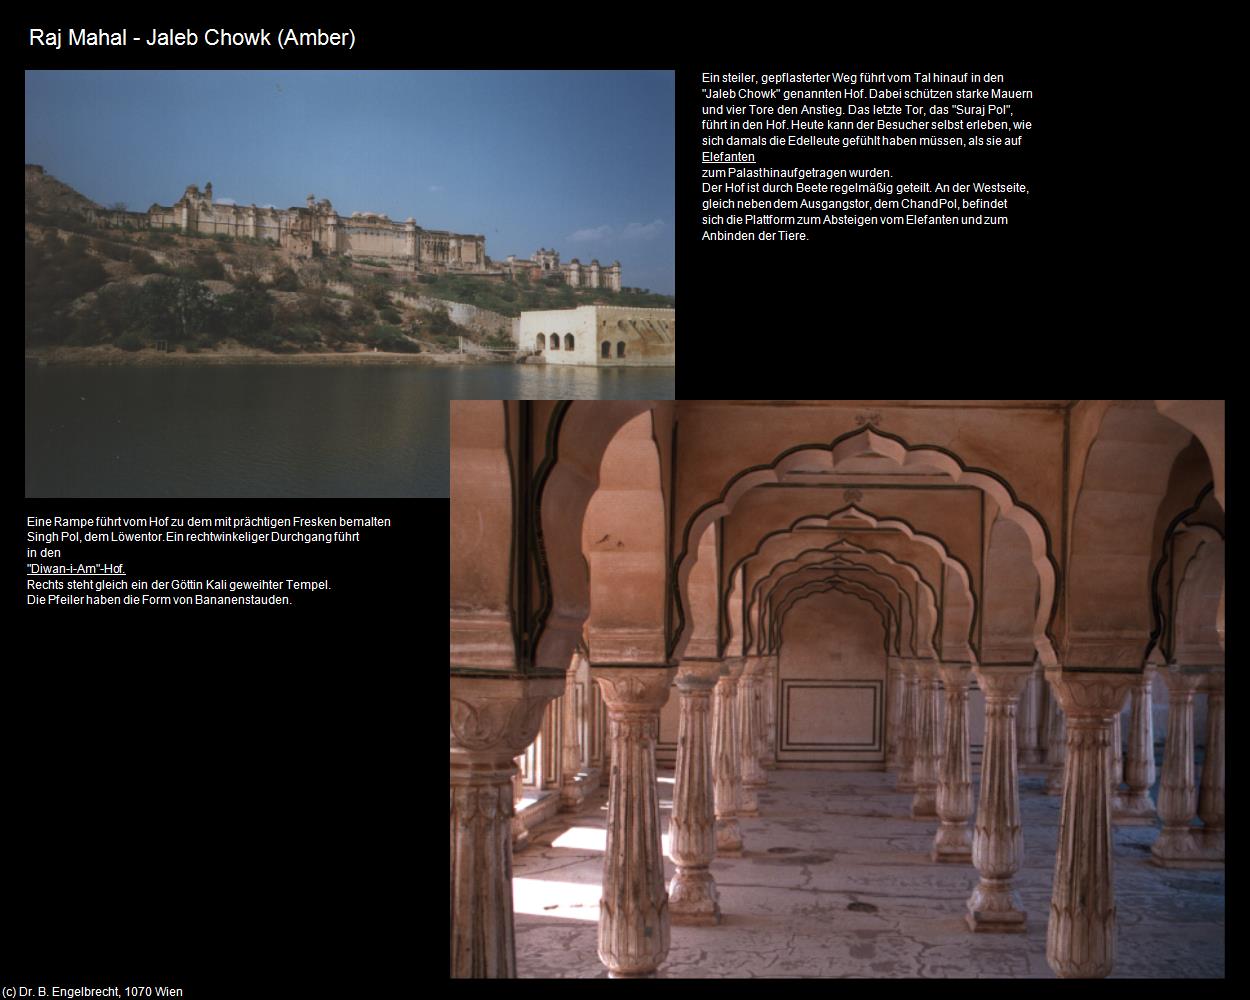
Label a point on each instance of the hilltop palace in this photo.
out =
(316, 230)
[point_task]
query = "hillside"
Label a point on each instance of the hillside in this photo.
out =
(138, 289)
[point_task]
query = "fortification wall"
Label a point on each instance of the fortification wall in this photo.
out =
(482, 321)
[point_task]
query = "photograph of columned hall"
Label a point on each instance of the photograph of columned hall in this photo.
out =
(837, 688)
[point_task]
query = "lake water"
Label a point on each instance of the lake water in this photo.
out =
(274, 430)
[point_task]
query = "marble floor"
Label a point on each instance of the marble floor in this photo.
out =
(836, 881)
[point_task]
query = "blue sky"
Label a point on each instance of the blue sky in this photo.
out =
(579, 161)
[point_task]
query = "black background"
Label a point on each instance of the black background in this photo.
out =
(243, 800)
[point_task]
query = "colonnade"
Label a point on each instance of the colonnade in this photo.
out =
(727, 738)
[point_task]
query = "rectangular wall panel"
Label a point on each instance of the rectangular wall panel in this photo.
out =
(830, 721)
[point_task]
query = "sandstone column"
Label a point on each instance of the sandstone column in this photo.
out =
(633, 911)
(758, 669)
(725, 764)
(1136, 806)
(998, 843)
(894, 714)
(1211, 795)
(1115, 769)
(928, 747)
(1030, 718)
(1176, 845)
(692, 897)
(572, 791)
(769, 762)
(492, 721)
(749, 740)
(907, 728)
(1056, 744)
(953, 840)
(1080, 937)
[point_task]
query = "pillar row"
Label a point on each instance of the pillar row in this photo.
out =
(908, 727)
(1211, 793)
(1180, 845)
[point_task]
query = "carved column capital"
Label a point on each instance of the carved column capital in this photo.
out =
(1090, 695)
(496, 717)
(632, 690)
(699, 674)
(955, 674)
(734, 667)
(1001, 683)
(756, 666)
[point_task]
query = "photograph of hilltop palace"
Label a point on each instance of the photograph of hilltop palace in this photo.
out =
(604, 334)
(197, 324)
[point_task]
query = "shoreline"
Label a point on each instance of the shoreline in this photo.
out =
(105, 356)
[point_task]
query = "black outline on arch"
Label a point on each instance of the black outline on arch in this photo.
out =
(1016, 501)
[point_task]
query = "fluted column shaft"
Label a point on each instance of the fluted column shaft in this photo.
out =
(1178, 793)
(894, 714)
(908, 728)
(725, 763)
(492, 720)
(572, 793)
(1211, 793)
(1029, 733)
(769, 758)
(1115, 769)
(953, 840)
(998, 841)
(928, 747)
(1139, 764)
(633, 911)
(692, 896)
(1056, 743)
(1080, 936)
(749, 736)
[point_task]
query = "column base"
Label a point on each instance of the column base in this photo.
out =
(1134, 809)
(1186, 848)
(904, 784)
(633, 975)
(760, 782)
(1054, 784)
(995, 910)
(728, 838)
(692, 898)
(573, 793)
(1213, 843)
(953, 844)
(924, 803)
(748, 804)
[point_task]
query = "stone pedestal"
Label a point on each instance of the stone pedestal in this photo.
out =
(1080, 937)
(726, 777)
(908, 729)
(998, 842)
(1211, 793)
(572, 788)
(1179, 845)
(1056, 743)
(1136, 806)
(928, 747)
(492, 721)
(633, 911)
(692, 897)
(953, 840)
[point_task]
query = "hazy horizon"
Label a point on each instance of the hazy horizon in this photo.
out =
(582, 162)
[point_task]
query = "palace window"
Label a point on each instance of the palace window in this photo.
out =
(568, 342)
(620, 348)
(542, 342)
(605, 350)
